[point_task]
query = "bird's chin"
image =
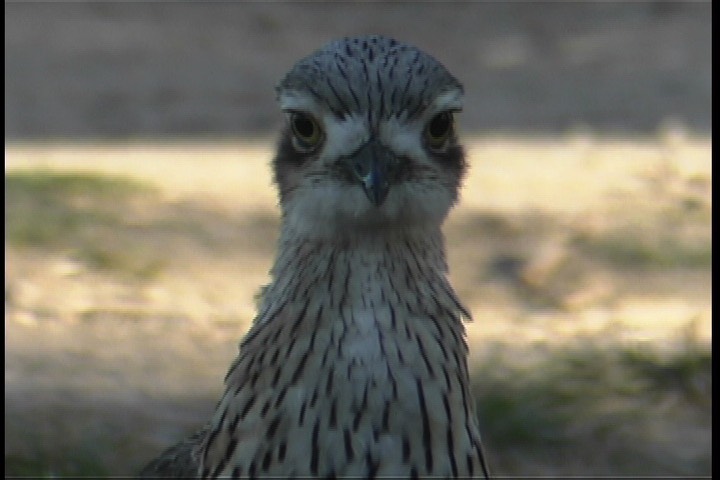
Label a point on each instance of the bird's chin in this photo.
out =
(352, 214)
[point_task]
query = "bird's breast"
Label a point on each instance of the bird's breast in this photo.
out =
(356, 368)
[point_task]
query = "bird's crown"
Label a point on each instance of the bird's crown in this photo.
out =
(373, 75)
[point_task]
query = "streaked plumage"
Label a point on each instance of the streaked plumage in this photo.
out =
(356, 363)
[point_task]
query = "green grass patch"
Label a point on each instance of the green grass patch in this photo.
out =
(686, 371)
(49, 184)
(44, 208)
(87, 214)
(609, 404)
(41, 460)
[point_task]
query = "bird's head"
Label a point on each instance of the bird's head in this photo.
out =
(370, 142)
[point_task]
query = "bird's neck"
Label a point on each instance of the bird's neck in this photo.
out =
(363, 272)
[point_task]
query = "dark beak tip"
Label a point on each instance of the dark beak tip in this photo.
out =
(376, 192)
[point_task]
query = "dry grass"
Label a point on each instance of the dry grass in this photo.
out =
(131, 270)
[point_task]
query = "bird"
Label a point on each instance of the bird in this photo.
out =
(356, 362)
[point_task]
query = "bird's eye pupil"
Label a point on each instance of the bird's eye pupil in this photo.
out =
(439, 130)
(439, 125)
(304, 127)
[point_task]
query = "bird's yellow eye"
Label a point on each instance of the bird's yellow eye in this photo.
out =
(306, 130)
(439, 130)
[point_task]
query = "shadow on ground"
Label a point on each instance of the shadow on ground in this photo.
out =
(100, 384)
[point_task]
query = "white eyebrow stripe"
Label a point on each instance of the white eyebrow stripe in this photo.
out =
(449, 100)
(291, 100)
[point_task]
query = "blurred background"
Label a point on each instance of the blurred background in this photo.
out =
(140, 221)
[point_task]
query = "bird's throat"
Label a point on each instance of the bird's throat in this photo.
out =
(360, 271)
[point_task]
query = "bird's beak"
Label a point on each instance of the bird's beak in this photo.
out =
(375, 167)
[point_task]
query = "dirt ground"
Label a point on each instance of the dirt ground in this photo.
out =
(585, 220)
(112, 356)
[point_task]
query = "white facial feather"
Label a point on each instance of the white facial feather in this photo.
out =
(291, 100)
(342, 137)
